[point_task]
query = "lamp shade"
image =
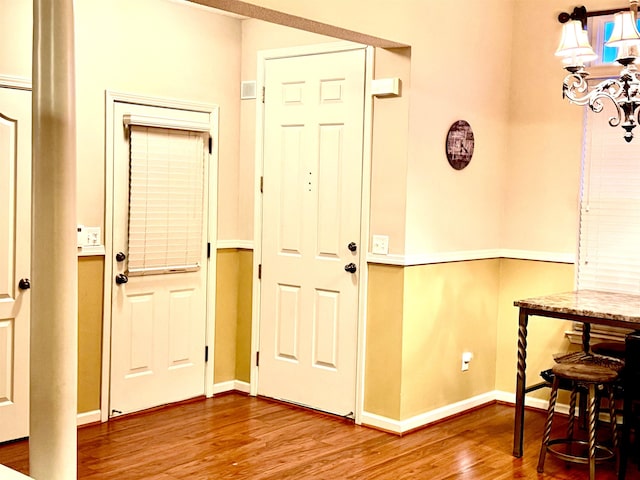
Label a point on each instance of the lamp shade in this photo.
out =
(574, 45)
(625, 33)
(574, 41)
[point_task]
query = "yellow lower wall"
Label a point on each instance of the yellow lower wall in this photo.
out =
(383, 355)
(419, 321)
(421, 318)
(90, 300)
(232, 351)
(449, 308)
(227, 272)
(522, 279)
(243, 329)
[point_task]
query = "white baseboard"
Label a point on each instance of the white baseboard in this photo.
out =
(532, 402)
(402, 426)
(424, 419)
(88, 417)
(230, 386)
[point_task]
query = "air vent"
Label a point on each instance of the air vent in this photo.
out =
(248, 90)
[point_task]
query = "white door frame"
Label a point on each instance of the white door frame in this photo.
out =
(263, 56)
(111, 97)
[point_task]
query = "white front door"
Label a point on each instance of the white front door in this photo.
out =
(15, 246)
(160, 250)
(313, 135)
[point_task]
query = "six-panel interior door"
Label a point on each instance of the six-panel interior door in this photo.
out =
(15, 245)
(158, 320)
(313, 134)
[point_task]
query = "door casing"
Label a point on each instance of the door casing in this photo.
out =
(263, 56)
(111, 97)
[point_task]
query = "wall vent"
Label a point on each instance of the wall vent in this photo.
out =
(248, 90)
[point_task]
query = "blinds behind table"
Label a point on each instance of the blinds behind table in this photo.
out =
(609, 239)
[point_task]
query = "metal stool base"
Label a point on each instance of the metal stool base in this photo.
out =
(603, 453)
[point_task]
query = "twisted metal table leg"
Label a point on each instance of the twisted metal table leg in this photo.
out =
(518, 433)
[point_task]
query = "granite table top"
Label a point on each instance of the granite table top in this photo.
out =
(590, 304)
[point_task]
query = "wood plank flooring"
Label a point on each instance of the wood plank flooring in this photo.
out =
(238, 437)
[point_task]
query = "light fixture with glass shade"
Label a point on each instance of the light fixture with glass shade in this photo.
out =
(622, 92)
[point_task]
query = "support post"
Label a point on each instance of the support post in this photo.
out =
(54, 294)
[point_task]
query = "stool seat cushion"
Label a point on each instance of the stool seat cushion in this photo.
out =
(588, 373)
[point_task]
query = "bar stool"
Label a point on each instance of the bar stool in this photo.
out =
(591, 376)
(631, 388)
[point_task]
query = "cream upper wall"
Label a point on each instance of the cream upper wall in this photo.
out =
(452, 77)
(525, 171)
(16, 34)
(545, 135)
(464, 77)
(186, 52)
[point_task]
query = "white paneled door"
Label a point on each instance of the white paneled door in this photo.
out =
(313, 134)
(15, 235)
(160, 257)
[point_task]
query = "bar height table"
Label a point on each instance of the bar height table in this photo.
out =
(591, 307)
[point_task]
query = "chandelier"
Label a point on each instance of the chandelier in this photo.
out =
(622, 92)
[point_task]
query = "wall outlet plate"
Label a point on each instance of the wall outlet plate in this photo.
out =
(380, 245)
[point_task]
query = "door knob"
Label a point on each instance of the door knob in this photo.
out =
(352, 246)
(120, 256)
(350, 267)
(24, 284)
(121, 278)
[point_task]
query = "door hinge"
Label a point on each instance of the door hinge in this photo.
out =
(208, 249)
(257, 359)
(210, 144)
(206, 353)
(261, 184)
(263, 90)
(259, 271)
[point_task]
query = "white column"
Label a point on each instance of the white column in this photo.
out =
(54, 295)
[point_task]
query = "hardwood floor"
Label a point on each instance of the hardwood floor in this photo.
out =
(238, 437)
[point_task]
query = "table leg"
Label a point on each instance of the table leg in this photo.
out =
(586, 337)
(518, 430)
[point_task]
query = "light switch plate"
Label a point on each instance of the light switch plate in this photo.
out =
(89, 236)
(380, 245)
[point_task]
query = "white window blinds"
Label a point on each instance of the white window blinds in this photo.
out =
(609, 253)
(166, 200)
(609, 240)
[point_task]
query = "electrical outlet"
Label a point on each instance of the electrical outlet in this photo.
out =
(466, 360)
(380, 245)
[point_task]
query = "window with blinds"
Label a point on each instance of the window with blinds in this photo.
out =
(166, 200)
(609, 239)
